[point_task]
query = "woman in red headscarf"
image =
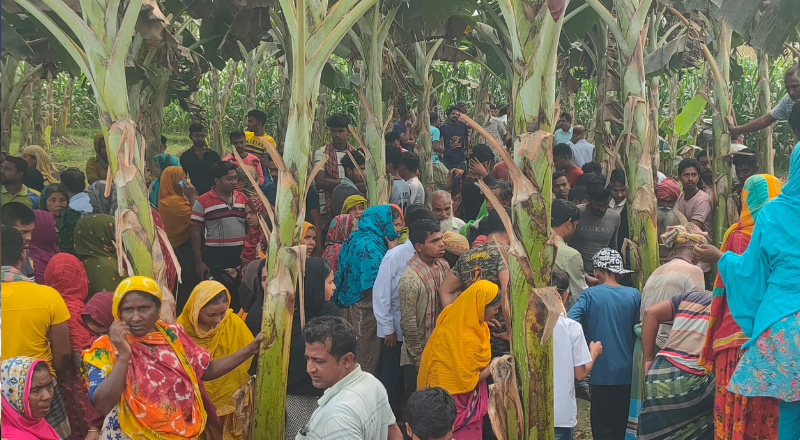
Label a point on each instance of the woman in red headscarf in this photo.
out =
(65, 273)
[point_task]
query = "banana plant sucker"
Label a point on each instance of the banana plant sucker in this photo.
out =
(310, 32)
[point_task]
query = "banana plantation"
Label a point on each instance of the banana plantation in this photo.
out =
(653, 81)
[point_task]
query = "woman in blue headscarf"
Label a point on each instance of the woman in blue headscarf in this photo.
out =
(359, 259)
(163, 161)
(763, 297)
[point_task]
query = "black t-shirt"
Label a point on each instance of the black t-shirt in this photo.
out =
(454, 141)
(199, 171)
(472, 197)
(312, 199)
(33, 179)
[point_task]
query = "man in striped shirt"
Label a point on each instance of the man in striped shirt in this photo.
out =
(220, 214)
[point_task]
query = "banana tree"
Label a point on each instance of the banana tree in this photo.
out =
(373, 29)
(419, 71)
(765, 151)
(630, 29)
(63, 113)
(255, 63)
(311, 33)
(220, 93)
(719, 65)
(533, 28)
(11, 88)
(100, 49)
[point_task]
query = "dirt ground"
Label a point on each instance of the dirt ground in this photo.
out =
(583, 431)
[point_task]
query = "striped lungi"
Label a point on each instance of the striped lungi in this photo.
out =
(677, 403)
(57, 417)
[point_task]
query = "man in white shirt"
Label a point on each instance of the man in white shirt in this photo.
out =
(572, 360)
(75, 181)
(408, 171)
(355, 405)
(582, 150)
(386, 302)
(564, 132)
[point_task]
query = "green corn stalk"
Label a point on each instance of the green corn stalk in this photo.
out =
(719, 65)
(312, 32)
(11, 88)
(629, 28)
(102, 45)
(765, 151)
(533, 30)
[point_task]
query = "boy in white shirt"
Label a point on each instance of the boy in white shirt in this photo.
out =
(408, 171)
(572, 360)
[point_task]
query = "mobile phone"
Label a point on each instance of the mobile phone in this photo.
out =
(182, 184)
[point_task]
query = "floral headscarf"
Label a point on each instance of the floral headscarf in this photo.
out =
(17, 373)
(341, 227)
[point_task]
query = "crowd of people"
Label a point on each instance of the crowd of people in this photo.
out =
(405, 304)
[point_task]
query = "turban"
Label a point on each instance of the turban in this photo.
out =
(667, 187)
(455, 243)
(353, 201)
(683, 236)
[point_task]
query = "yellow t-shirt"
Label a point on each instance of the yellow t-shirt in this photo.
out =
(256, 147)
(28, 310)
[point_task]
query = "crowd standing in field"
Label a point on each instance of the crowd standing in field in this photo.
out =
(406, 303)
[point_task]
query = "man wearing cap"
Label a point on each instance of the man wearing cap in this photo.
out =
(678, 276)
(455, 245)
(608, 313)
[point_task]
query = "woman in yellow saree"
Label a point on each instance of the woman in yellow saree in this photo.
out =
(209, 321)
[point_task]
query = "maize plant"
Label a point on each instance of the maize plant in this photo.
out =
(100, 50)
(312, 32)
(629, 28)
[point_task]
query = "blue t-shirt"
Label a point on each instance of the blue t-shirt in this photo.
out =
(563, 137)
(608, 314)
(435, 136)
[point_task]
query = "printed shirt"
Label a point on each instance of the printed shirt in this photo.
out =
(485, 262)
(454, 139)
(690, 322)
(28, 312)
(225, 225)
(356, 407)
(255, 147)
(594, 233)
(608, 314)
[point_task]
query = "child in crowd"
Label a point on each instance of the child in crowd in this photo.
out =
(608, 312)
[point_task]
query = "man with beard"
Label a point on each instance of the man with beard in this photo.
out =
(198, 160)
(667, 214)
(599, 225)
(442, 206)
(706, 172)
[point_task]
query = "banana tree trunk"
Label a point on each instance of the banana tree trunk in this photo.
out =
(313, 32)
(50, 115)
(765, 151)
(668, 166)
(719, 65)
(535, 26)
(599, 129)
(36, 113)
(374, 29)
(629, 27)
(220, 91)
(66, 103)
(108, 41)
(11, 89)
(319, 132)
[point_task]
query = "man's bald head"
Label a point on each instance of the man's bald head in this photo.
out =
(442, 204)
(578, 133)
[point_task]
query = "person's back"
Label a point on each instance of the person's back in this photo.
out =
(671, 279)
(594, 233)
(569, 351)
(608, 313)
(401, 194)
